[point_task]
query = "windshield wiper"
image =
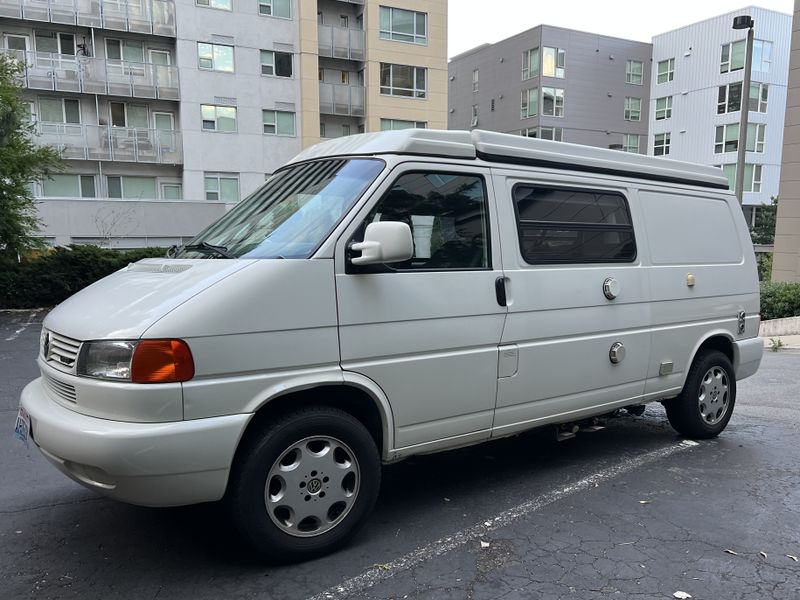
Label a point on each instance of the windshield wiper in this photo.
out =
(210, 249)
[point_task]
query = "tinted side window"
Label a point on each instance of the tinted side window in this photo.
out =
(448, 218)
(573, 226)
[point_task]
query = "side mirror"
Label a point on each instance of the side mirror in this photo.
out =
(384, 242)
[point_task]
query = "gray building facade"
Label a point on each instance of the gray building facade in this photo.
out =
(555, 83)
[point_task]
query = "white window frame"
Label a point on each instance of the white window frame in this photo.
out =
(627, 144)
(762, 55)
(273, 122)
(266, 8)
(525, 103)
(762, 97)
(630, 112)
(219, 177)
(555, 134)
(420, 93)
(667, 74)
(726, 101)
(122, 178)
(726, 63)
(558, 102)
(82, 193)
(664, 145)
(273, 64)
(215, 120)
(215, 4)
(420, 39)
(170, 184)
(726, 138)
(530, 63)
(664, 112)
(756, 137)
(559, 62)
(396, 124)
(213, 58)
(474, 119)
(475, 80)
(629, 73)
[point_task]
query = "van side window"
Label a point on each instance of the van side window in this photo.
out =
(561, 225)
(447, 214)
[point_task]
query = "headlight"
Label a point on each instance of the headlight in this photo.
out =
(106, 360)
(142, 361)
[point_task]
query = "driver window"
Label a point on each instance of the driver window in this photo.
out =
(447, 215)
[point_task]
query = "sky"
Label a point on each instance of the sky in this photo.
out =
(474, 22)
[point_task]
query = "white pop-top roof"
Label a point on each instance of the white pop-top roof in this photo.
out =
(516, 149)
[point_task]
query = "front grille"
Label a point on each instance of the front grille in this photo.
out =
(60, 351)
(60, 389)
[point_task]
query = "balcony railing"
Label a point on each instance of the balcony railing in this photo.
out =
(69, 73)
(341, 99)
(340, 42)
(140, 16)
(102, 142)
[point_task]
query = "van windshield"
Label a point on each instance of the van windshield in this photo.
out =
(290, 215)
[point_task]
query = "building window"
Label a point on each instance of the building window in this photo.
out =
(128, 50)
(552, 102)
(60, 110)
(220, 4)
(132, 188)
(278, 122)
(403, 25)
(762, 55)
(726, 138)
(474, 119)
(275, 8)
(552, 133)
(633, 109)
(530, 63)
(553, 62)
(215, 57)
(729, 98)
(345, 129)
(403, 80)
(759, 93)
(663, 108)
(633, 72)
(630, 143)
(396, 124)
(171, 191)
(345, 78)
(531, 132)
(666, 70)
(222, 187)
(68, 186)
(276, 64)
(732, 57)
(661, 143)
(218, 118)
(322, 130)
(752, 177)
(344, 21)
(572, 226)
(475, 77)
(530, 103)
(756, 133)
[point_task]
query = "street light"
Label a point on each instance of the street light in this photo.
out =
(744, 22)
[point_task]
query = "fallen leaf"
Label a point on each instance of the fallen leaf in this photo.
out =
(484, 544)
(793, 557)
(681, 595)
(447, 499)
(644, 501)
(763, 555)
(731, 552)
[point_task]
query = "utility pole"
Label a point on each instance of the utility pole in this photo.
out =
(744, 22)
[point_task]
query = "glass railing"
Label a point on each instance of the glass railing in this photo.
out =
(70, 73)
(340, 42)
(141, 16)
(102, 142)
(341, 99)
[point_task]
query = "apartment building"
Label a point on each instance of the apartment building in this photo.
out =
(168, 112)
(557, 84)
(786, 258)
(697, 98)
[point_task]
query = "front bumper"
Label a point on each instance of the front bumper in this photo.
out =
(150, 464)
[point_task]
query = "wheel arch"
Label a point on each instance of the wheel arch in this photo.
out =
(720, 340)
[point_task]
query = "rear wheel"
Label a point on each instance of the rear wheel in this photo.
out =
(705, 405)
(304, 485)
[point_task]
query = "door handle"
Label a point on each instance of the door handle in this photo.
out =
(500, 290)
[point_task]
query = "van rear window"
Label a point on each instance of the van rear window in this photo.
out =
(562, 225)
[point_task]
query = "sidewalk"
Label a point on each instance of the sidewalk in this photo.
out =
(787, 341)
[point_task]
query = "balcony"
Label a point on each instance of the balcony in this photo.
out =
(101, 142)
(68, 73)
(139, 16)
(341, 99)
(340, 42)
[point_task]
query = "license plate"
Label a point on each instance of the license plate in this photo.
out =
(22, 426)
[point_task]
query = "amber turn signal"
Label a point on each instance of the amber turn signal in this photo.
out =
(162, 361)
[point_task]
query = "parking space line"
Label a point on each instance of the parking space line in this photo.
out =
(369, 578)
(28, 323)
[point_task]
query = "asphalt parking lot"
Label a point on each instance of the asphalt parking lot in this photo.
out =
(631, 511)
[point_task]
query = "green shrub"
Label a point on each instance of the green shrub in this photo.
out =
(54, 276)
(779, 300)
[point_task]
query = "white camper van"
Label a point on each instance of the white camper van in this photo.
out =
(391, 294)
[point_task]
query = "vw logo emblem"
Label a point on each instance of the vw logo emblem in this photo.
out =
(314, 486)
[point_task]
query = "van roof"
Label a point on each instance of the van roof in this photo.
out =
(517, 149)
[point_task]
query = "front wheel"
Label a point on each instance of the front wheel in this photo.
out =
(304, 485)
(705, 405)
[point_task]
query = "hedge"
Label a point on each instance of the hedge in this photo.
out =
(779, 300)
(54, 276)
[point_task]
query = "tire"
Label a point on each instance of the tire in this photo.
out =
(304, 485)
(705, 405)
